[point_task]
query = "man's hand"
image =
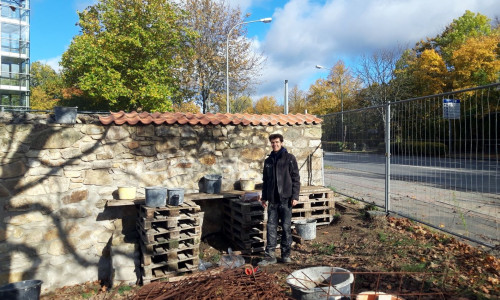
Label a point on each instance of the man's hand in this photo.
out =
(264, 203)
(295, 202)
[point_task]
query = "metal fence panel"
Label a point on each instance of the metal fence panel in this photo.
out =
(443, 171)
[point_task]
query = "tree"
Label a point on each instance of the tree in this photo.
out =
(379, 76)
(476, 62)
(267, 105)
(298, 100)
(45, 86)
(213, 20)
(429, 73)
(468, 25)
(129, 54)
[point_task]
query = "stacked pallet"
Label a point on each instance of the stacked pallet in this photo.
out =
(315, 202)
(169, 240)
(245, 224)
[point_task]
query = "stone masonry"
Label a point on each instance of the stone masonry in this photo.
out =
(55, 181)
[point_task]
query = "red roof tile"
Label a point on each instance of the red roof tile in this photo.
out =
(170, 118)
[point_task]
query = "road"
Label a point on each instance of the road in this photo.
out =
(460, 195)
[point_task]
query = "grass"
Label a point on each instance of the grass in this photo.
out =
(323, 249)
(123, 289)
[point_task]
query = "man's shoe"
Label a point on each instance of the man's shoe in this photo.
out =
(268, 260)
(286, 260)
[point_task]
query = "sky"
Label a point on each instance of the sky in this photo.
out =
(302, 34)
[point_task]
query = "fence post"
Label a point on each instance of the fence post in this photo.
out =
(387, 156)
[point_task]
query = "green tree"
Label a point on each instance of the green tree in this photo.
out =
(129, 54)
(206, 72)
(45, 85)
(468, 25)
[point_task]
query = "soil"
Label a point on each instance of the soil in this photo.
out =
(384, 253)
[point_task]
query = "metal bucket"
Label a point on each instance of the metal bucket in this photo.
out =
(65, 115)
(156, 196)
(22, 290)
(212, 184)
(175, 196)
(320, 283)
(306, 228)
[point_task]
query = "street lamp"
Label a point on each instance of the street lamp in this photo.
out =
(341, 101)
(264, 20)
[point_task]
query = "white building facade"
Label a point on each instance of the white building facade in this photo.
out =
(14, 54)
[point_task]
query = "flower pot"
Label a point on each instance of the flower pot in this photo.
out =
(156, 196)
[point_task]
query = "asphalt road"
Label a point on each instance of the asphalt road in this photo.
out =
(458, 195)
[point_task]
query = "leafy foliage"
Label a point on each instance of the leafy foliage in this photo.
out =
(205, 76)
(128, 54)
(267, 105)
(45, 85)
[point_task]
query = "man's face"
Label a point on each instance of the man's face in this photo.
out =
(276, 144)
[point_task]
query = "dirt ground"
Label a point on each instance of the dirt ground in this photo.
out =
(388, 254)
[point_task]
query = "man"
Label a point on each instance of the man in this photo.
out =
(280, 189)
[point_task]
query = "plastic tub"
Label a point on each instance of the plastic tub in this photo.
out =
(156, 196)
(175, 196)
(320, 283)
(247, 184)
(65, 115)
(306, 228)
(22, 290)
(212, 184)
(126, 192)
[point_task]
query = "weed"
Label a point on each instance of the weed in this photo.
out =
(124, 288)
(332, 188)
(336, 218)
(370, 206)
(382, 236)
(324, 249)
(351, 201)
(420, 267)
(215, 258)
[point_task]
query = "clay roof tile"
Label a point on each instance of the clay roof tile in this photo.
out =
(133, 118)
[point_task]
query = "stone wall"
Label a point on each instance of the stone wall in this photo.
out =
(55, 181)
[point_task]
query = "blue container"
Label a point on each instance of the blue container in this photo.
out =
(175, 196)
(156, 196)
(22, 290)
(212, 184)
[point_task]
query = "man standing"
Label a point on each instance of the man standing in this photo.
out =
(280, 188)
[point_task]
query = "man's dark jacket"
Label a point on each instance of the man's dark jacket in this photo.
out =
(287, 175)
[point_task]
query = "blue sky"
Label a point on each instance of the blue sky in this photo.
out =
(303, 33)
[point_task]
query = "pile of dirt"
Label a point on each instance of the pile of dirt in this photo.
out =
(388, 254)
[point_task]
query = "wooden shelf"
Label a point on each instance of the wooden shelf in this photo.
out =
(187, 197)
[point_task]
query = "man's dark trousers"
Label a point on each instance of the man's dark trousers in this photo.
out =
(279, 210)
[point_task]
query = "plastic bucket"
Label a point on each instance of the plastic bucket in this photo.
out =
(247, 184)
(212, 184)
(320, 283)
(175, 196)
(126, 192)
(22, 290)
(156, 196)
(65, 115)
(306, 228)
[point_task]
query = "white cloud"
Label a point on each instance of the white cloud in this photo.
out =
(53, 63)
(307, 32)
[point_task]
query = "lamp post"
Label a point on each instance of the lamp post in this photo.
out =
(264, 20)
(341, 101)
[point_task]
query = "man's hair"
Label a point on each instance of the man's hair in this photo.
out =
(276, 136)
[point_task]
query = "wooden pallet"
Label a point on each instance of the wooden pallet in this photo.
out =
(152, 273)
(155, 249)
(235, 233)
(162, 235)
(188, 219)
(168, 211)
(320, 219)
(181, 253)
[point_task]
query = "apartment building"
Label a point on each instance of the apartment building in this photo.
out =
(14, 54)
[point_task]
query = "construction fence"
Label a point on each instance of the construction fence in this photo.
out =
(432, 159)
